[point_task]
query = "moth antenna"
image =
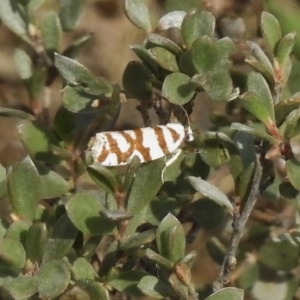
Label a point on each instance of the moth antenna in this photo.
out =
(189, 133)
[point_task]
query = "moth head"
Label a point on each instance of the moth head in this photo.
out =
(189, 136)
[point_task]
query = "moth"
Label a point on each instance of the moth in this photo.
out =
(117, 148)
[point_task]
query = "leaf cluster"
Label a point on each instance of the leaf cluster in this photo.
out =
(79, 229)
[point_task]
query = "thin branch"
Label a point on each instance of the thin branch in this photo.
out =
(239, 222)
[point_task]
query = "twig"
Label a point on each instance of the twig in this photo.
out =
(239, 222)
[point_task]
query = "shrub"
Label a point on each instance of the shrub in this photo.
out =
(80, 229)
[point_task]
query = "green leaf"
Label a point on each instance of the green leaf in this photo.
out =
(178, 88)
(245, 144)
(173, 19)
(22, 287)
(23, 63)
(175, 168)
(293, 83)
(76, 100)
(170, 238)
(154, 288)
(154, 39)
(138, 239)
(279, 255)
(206, 213)
(148, 175)
(218, 85)
(65, 124)
(137, 12)
(103, 177)
(186, 65)
(291, 125)
(36, 239)
(229, 293)
(253, 131)
(83, 210)
(17, 231)
(12, 252)
(257, 84)
(83, 269)
(292, 169)
(159, 207)
(53, 279)
(37, 140)
(212, 152)
(188, 260)
(51, 32)
(246, 182)
(70, 12)
(52, 184)
(249, 277)
(204, 55)
(164, 58)
(225, 46)
(180, 288)
(8, 271)
(15, 113)
(130, 175)
(145, 57)
(284, 107)
(260, 68)
(262, 58)
(197, 23)
(127, 282)
(270, 29)
(136, 81)
(109, 259)
(94, 290)
(210, 191)
(61, 240)
(158, 259)
(78, 75)
(285, 47)
(254, 104)
(20, 180)
(12, 14)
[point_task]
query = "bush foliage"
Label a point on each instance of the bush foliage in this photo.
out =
(79, 229)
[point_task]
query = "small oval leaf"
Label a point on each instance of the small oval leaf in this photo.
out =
(270, 29)
(197, 23)
(61, 240)
(178, 88)
(70, 12)
(210, 191)
(53, 279)
(21, 179)
(83, 210)
(12, 252)
(170, 239)
(138, 13)
(171, 19)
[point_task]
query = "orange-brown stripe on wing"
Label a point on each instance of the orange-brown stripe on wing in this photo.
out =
(139, 145)
(161, 139)
(175, 135)
(106, 148)
(124, 156)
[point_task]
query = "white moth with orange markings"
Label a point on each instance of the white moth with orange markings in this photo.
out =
(116, 148)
